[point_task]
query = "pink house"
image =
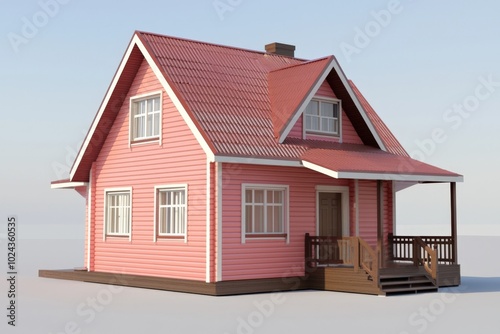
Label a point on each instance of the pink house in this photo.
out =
(219, 170)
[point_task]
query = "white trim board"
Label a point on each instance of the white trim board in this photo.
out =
(68, 185)
(89, 220)
(258, 161)
(219, 189)
(381, 176)
(208, 232)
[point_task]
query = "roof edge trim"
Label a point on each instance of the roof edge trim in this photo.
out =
(381, 176)
(102, 107)
(195, 129)
(257, 161)
(67, 185)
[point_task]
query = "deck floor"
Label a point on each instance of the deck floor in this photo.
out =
(341, 278)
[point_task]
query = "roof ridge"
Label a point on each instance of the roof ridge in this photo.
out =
(262, 53)
(306, 62)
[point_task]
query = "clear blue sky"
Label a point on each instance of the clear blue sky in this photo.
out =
(426, 67)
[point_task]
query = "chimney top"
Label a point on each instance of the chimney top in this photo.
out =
(281, 49)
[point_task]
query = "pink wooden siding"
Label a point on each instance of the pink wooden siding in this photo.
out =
(352, 207)
(367, 208)
(388, 213)
(179, 160)
(296, 131)
(368, 211)
(349, 134)
(265, 258)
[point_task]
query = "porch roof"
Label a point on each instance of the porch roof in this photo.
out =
(366, 163)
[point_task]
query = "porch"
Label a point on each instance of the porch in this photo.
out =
(409, 264)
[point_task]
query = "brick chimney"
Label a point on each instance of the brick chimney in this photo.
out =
(281, 49)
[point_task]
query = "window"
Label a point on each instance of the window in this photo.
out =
(264, 210)
(118, 213)
(322, 117)
(171, 210)
(145, 118)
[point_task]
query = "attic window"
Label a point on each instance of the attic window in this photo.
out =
(145, 118)
(322, 117)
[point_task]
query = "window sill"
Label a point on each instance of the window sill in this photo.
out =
(325, 134)
(266, 236)
(117, 236)
(151, 140)
(171, 237)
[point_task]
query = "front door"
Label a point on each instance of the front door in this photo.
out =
(330, 225)
(330, 215)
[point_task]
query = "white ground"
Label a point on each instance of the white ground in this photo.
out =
(56, 306)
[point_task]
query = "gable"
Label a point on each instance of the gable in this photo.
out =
(290, 88)
(136, 52)
(105, 117)
(348, 133)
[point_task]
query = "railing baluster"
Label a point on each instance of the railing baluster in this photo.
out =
(403, 249)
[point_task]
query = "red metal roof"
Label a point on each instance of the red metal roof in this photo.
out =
(238, 100)
(391, 143)
(371, 163)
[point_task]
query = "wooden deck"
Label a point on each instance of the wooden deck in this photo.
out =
(333, 264)
(225, 288)
(342, 279)
(412, 264)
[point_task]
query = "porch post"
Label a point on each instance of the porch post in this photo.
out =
(380, 230)
(453, 199)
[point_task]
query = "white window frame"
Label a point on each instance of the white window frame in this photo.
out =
(106, 222)
(157, 233)
(320, 100)
(286, 221)
(146, 139)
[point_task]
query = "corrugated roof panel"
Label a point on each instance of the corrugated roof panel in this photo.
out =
(239, 98)
(390, 141)
(369, 160)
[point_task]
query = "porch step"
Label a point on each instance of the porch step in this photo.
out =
(406, 283)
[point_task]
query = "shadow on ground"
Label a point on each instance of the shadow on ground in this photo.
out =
(472, 284)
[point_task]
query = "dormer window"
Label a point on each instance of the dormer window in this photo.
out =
(322, 117)
(145, 118)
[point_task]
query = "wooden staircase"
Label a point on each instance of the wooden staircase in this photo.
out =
(405, 280)
(350, 264)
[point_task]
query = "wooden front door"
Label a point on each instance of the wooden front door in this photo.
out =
(330, 215)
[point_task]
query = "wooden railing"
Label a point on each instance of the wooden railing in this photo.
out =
(425, 256)
(368, 258)
(403, 246)
(328, 250)
(351, 251)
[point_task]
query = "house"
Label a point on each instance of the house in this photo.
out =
(218, 170)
